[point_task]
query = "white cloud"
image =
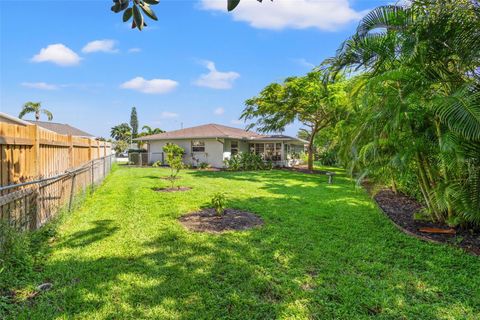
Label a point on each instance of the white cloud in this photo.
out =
(153, 86)
(219, 111)
(134, 50)
(216, 79)
(304, 63)
(59, 54)
(296, 14)
(168, 115)
(106, 45)
(40, 85)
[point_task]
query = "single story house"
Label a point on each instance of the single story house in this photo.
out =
(214, 143)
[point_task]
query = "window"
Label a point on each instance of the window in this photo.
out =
(198, 146)
(259, 148)
(234, 147)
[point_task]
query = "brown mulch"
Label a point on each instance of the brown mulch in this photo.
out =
(174, 189)
(400, 209)
(208, 221)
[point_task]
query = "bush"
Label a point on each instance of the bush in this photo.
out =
(157, 164)
(328, 158)
(203, 165)
(247, 161)
(218, 202)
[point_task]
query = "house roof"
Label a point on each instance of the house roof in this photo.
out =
(11, 119)
(61, 128)
(213, 130)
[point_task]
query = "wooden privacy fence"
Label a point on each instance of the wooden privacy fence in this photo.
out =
(30, 152)
(40, 170)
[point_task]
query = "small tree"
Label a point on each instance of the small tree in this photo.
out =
(219, 203)
(174, 155)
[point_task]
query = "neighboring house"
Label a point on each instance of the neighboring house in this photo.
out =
(214, 143)
(62, 128)
(6, 118)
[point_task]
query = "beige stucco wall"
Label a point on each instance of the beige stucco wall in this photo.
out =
(213, 155)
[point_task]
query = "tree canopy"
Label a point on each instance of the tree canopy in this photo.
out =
(306, 99)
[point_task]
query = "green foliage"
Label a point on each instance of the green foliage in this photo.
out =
(147, 130)
(15, 257)
(247, 161)
(174, 157)
(415, 120)
(120, 146)
(35, 108)
(121, 132)
(138, 8)
(203, 165)
(219, 202)
(157, 164)
(306, 99)
(134, 122)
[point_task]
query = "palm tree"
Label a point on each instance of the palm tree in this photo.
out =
(418, 110)
(147, 130)
(121, 132)
(35, 107)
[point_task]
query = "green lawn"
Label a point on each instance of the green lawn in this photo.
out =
(325, 252)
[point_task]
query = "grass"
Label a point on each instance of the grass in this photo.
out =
(325, 252)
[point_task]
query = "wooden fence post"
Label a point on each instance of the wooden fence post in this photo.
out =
(71, 161)
(35, 154)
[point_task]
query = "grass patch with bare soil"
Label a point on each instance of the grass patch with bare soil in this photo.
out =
(208, 220)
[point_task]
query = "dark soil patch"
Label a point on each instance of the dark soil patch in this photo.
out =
(208, 221)
(170, 189)
(400, 209)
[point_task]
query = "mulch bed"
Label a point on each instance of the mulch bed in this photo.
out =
(208, 221)
(174, 189)
(400, 209)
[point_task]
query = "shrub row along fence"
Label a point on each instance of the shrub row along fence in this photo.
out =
(42, 172)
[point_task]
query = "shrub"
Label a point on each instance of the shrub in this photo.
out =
(157, 164)
(218, 202)
(174, 159)
(328, 158)
(203, 165)
(247, 161)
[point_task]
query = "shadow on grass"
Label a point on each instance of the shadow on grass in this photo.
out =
(322, 254)
(101, 230)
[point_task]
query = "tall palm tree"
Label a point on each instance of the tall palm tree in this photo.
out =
(36, 108)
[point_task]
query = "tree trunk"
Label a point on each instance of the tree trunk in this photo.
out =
(311, 148)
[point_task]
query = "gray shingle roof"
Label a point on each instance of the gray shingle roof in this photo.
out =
(61, 128)
(204, 131)
(213, 130)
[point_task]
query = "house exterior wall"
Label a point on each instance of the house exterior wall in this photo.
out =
(213, 155)
(216, 151)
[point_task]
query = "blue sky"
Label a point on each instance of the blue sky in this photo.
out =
(196, 65)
